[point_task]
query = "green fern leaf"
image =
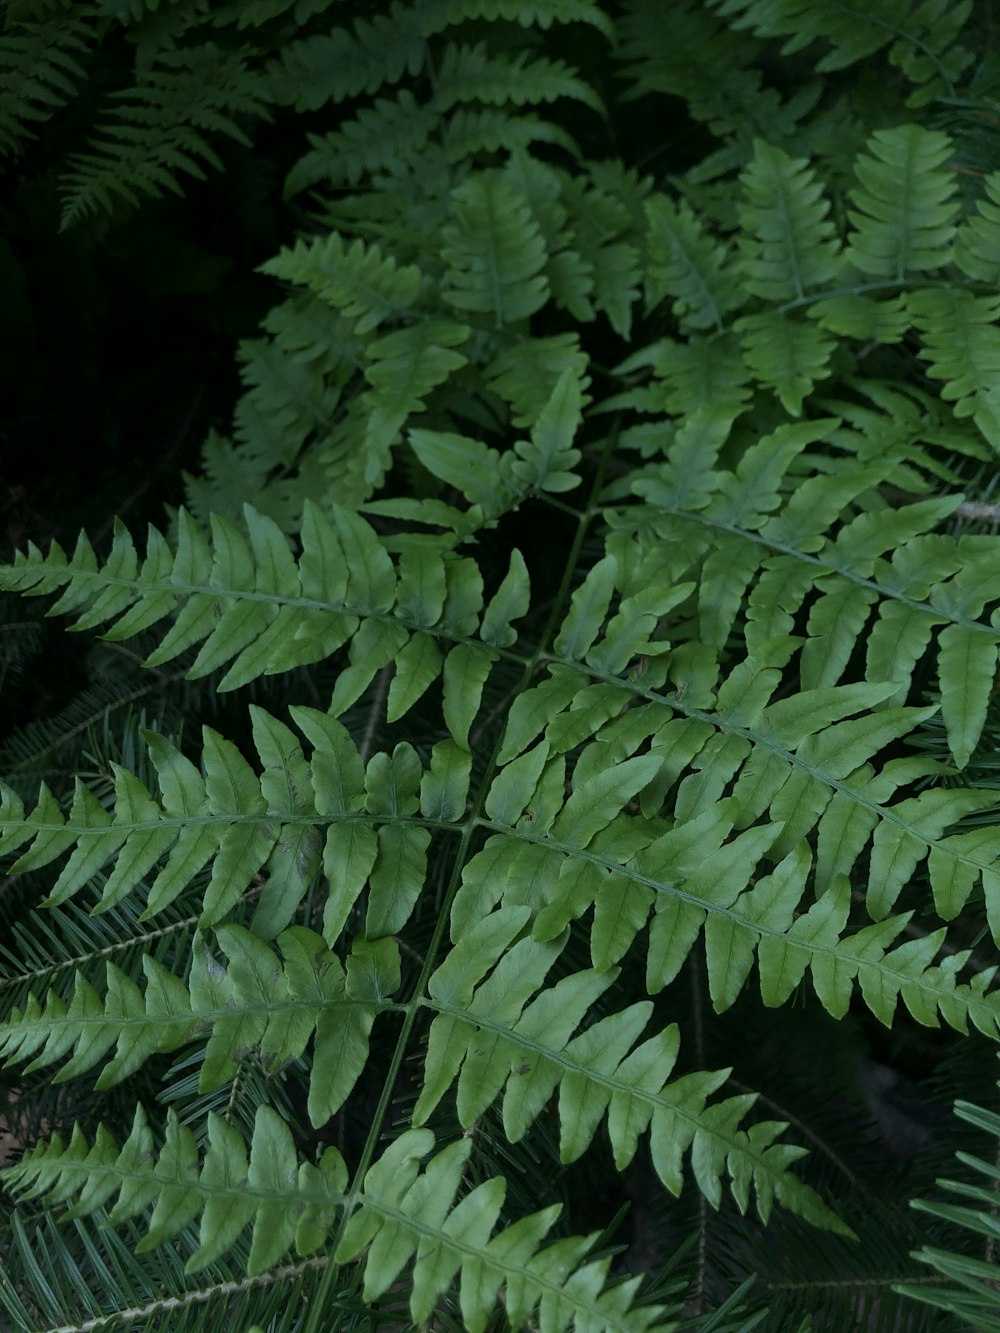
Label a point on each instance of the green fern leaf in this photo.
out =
(254, 606)
(688, 266)
(786, 355)
(354, 279)
(688, 375)
(404, 368)
(346, 62)
(976, 246)
(490, 1035)
(860, 317)
(494, 251)
(971, 1291)
(526, 374)
(787, 245)
(402, 1214)
(389, 136)
(439, 14)
(929, 582)
(471, 74)
(962, 343)
(905, 209)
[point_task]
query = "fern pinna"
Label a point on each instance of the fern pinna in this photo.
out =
(456, 884)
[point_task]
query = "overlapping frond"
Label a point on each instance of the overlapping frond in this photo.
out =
(239, 823)
(863, 572)
(400, 1213)
(355, 280)
(766, 802)
(976, 245)
(702, 60)
(961, 340)
(364, 58)
(253, 606)
(923, 39)
(498, 1028)
(687, 742)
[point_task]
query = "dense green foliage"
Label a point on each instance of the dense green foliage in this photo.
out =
(555, 734)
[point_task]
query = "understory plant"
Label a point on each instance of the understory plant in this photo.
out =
(563, 784)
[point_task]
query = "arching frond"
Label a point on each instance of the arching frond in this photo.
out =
(364, 58)
(976, 245)
(400, 1213)
(40, 70)
(933, 590)
(388, 136)
(502, 1031)
(354, 279)
(163, 130)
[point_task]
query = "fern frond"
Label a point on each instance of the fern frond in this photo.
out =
(471, 74)
(689, 266)
(354, 279)
(689, 374)
(239, 823)
(585, 852)
(502, 1031)
(905, 208)
(526, 374)
(249, 602)
(495, 252)
(349, 61)
(162, 130)
(972, 1281)
(977, 244)
(788, 356)
(606, 236)
(440, 14)
(961, 341)
(229, 480)
(404, 368)
(255, 1002)
(489, 1038)
(711, 67)
(51, 948)
(923, 39)
(289, 399)
(470, 131)
(40, 71)
(87, 1273)
(399, 1214)
(389, 136)
(787, 244)
(932, 587)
